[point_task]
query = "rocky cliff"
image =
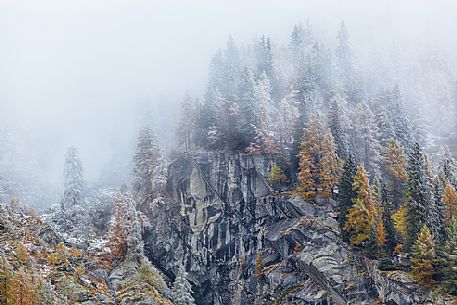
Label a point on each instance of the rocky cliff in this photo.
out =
(242, 243)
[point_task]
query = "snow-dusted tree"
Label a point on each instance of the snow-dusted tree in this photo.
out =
(367, 139)
(266, 115)
(399, 118)
(449, 258)
(225, 69)
(264, 57)
(73, 179)
(125, 231)
(186, 129)
(150, 165)
(420, 190)
(300, 39)
(346, 193)
(339, 125)
(383, 119)
(181, 293)
(72, 201)
(287, 118)
(448, 168)
(345, 74)
(424, 257)
(211, 119)
(249, 119)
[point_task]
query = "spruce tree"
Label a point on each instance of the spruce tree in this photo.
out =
(399, 118)
(371, 248)
(420, 189)
(424, 257)
(71, 205)
(448, 168)
(339, 126)
(367, 138)
(187, 124)
(449, 258)
(346, 194)
(149, 170)
(181, 293)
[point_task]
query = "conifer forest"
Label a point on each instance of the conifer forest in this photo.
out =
(228, 153)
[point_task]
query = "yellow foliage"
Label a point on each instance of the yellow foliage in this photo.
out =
(276, 175)
(450, 201)
(361, 214)
(21, 253)
(424, 257)
(320, 167)
(396, 160)
(399, 218)
(60, 255)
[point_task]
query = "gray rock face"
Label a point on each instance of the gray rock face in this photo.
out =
(243, 244)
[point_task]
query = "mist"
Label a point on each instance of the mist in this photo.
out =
(90, 73)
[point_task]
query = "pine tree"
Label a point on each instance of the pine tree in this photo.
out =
(288, 117)
(346, 194)
(383, 119)
(421, 201)
(181, 293)
(367, 135)
(249, 119)
(399, 118)
(371, 247)
(449, 259)
(424, 257)
(187, 124)
(345, 72)
(339, 126)
(438, 210)
(212, 117)
(319, 164)
(300, 39)
(388, 223)
(448, 168)
(149, 173)
(266, 115)
(72, 202)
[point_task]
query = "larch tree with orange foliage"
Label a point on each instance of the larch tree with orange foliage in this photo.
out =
(320, 166)
(23, 288)
(450, 203)
(396, 161)
(364, 216)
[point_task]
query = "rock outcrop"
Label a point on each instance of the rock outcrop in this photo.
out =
(242, 243)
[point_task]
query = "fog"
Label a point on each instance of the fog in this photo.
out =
(90, 73)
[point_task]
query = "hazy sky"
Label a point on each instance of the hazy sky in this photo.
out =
(71, 72)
